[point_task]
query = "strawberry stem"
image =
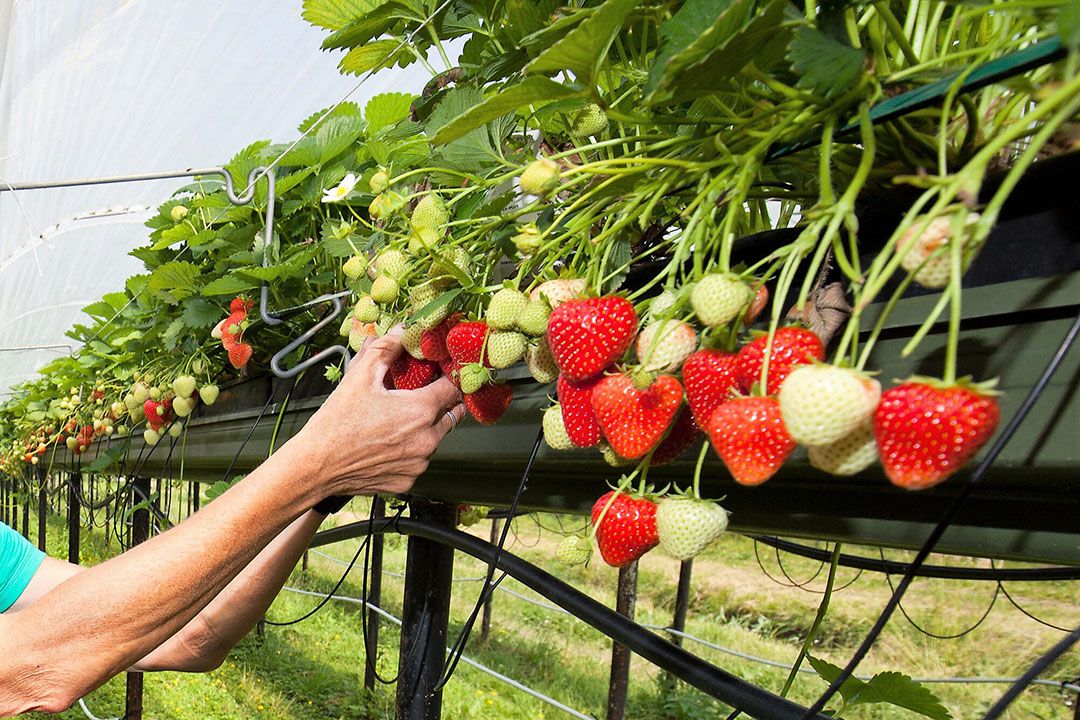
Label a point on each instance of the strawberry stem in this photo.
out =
(697, 469)
(956, 272)
(822, 609)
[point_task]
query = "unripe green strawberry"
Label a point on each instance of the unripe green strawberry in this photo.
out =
(379, 181)
(423, 239)
(410, 340)
(849, 455)
(687, 525)
(533, 319)
(151, 437)
(183, 406)
(155, 393)
(209, 394)
(540, 177)
(392, 264)
(385, 290)
(421, 297)
(719, 298)
(469, 515)
(140, 392)
(359, 332)
(527, 239)
(385, 204)
(123, 431)
(589, 120)
(346, 323)
(366, 310)
(933, 270)
(541, 362)
(660, 304)
(355, 266)
(574, 550)
(664, 344)
(472, 377)
(176, 429)
(822, 403)
(448, 260)
(430, 213)
(505, 347)
(613, 458)
(556, 292)
(72, 442)
(504, 308)
(555, 429)
(178, 213)
(131, 403)
(184, 386)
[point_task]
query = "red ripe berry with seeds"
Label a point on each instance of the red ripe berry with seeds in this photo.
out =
(488, 404)
(465, 342)
(433, 340)
(684, 433)
(408, 373)
(575, 401)
(586, 336)
(792, 346)
(633, 420)
(625, 527)
(240, 355)
(926, 431)
(748, 434)
(711, 377)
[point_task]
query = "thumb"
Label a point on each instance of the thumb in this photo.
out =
(381, 353)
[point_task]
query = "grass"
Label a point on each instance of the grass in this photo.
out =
(315, 669)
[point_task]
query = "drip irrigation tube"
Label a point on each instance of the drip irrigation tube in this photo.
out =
(706, 677)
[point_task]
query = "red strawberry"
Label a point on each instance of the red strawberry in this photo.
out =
(240, 305)
(711, 377)
(489, 403)
(684, 433)
(451, 370)
(408, 373)
(230, 339)
(627, 530)
(749, 435)
(926, 431)
(791, 346)
(465, 342)
(586, 336)
(240, 355)
(433, 340)
(578, 415)
(634, 420)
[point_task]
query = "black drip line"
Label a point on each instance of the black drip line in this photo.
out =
(791, 583)
(1036, 669)
(935, 535)
(370, 652)
(1027, 613)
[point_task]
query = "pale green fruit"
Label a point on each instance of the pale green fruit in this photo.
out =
(822, 403)
(686, 525)
(849, 455)
(555, 434)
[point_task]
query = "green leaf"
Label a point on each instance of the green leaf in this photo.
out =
(1069, 24)
(244, 162)
(175, 278)
(584, 48)
(199, 313)
(386, 109)
(829, 672)
(341, 247)
(824, 66)
(171, 336)
(473, 150)
(99, 310)
(372, 56)
(506, 100)
(617, 263)
(442, 300)
(336, 14)
(228, 285)
(349, 109)
(370, 25)
(683, 39)
(109, 458)
(336, 135)
(898, 689)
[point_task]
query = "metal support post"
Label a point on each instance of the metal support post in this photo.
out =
(678, 622)
(140, 532)
(619, 685)
(73, 527)
(42, 507)
(429, 569)
(485, 624)
(374, 595)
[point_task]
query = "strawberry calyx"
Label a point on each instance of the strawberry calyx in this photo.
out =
(987, 388)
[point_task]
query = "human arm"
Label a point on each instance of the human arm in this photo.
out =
(103, 620)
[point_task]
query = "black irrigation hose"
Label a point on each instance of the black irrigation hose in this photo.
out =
(892, 567)
(329, 596)
(1032, 672)
(1033, 395)
(955, 636)
(1025, 612)
(708, 678)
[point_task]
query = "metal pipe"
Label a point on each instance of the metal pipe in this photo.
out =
(485, 623)
(425, 612)
(140, 532)
(73, 526)
(43, 507)
(374, 596)
(619, 682)
(754, 701)
(105, 180)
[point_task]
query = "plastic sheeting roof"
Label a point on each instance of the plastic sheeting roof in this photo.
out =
(109, 87)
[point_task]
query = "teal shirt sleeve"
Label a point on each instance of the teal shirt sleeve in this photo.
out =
(19, 560)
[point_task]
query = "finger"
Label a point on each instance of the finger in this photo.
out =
(449, 420)
(381, 353)
(441, 394)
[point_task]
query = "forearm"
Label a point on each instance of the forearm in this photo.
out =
(205, 641)
(103, 620)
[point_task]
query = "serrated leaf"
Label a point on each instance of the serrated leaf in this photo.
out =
(617, 264)
(175, 278)
(244, 162)
(336, 14)
(227, 285)
(684, 37)
(340, 247)
(386, 109)
(584, 48)
(899, 689)
(824, 66)
(336, 135)
(109, 458)
(1069, 24)
(171, 336)
(506, 100)
(199, 313)
(369, 25)
(99, 310)
(370, 56)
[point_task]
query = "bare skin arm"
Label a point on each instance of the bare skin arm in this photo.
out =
(105, 619)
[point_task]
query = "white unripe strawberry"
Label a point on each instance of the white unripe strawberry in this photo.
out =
(540, 177)
(687, 525)
(663, 345)
(555, 429)
(849, 455)
(719, 298)
(822, 403)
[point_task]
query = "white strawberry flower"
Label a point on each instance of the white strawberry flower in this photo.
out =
(339, 193)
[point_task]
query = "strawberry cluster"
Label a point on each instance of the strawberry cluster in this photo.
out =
(231, 332)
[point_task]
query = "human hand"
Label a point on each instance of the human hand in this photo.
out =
(368, 439)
